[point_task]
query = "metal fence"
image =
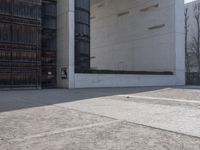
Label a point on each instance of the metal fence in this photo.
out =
(27, 43)
(20, 43)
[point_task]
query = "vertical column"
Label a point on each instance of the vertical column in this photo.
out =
(65, 43)
(179, 42)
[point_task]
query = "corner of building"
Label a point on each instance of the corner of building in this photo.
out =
(179, 42)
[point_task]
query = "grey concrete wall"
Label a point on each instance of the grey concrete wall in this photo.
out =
(126, 43)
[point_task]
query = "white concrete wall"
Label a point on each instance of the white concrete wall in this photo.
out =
(156, 50)
(106, 80)
(153, 50)
(65, 42)
(126, 43)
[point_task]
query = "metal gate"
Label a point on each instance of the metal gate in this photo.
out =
(82, 34)
(20, 43)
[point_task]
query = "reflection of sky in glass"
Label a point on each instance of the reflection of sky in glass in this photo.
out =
(187, 1)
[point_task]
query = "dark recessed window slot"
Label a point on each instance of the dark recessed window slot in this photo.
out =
(156, 27)
(100, 5)
(123, 13)
(149, 7)
(92, 17)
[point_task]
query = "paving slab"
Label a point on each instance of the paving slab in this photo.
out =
(27, 122)
(173, 93)
(114, 136)
(173, 118)
(146, 118)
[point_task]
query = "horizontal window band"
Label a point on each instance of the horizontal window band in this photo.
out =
(123, 13)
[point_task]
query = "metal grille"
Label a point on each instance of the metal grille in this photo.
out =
(20, 43)
(49, 13)
(27, 43)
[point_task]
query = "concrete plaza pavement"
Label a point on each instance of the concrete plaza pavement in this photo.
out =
(146, 118)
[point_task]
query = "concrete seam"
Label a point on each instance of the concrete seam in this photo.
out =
(164, 99)
(65, 130)
(165, 130)
(103, 116)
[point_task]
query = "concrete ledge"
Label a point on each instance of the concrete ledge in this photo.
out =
(116, 80)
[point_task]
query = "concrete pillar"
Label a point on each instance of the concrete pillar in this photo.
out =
(179, 42)
(65, 43)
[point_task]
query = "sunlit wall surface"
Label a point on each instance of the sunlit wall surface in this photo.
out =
(133, 36)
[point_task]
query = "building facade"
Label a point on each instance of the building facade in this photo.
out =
(91, 43)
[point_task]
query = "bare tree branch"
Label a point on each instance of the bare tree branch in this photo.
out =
(195, 43)
(187, 65)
